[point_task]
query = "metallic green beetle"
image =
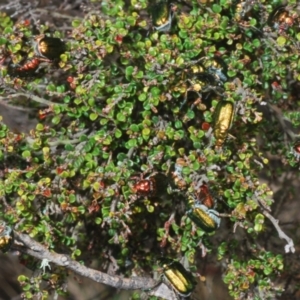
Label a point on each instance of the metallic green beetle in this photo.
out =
(223, 117)
(204, 217)
(6, 236)
(182, 281)
(162, 16)
(49, 47)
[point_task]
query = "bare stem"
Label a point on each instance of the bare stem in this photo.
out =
(4, 103)
(32, 97)
(289, 247)
(37, 250)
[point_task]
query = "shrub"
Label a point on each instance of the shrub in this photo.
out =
(138, 151)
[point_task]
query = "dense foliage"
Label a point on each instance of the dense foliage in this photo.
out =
(126, 155)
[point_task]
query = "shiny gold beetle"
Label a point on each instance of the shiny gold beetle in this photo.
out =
(182, 281)
(205, 218)
(223, 117)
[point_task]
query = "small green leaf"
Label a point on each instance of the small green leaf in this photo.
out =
(26, 154)
(216, 8)
(22, 278)
(76, 23)
(80, 90)
(98, 221)
(216, 35)
(142, 97)
(281, 41)
(121, 117)
(150, 208)
(39, 127)
(77, 252)
(259, 221)
(253, 22)
(93, 116)
(129, 70)
(267, 270)
(64, 57)
(256, 43)
(131, 143)
(155, 91)
(146, 132)
(56, 120)
(77, 101)
(3, 40)
(46, 151)
(134, 128)
(118, 133)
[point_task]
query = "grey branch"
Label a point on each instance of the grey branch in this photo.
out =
(35, 249)
(31, 97)
(289, 247)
